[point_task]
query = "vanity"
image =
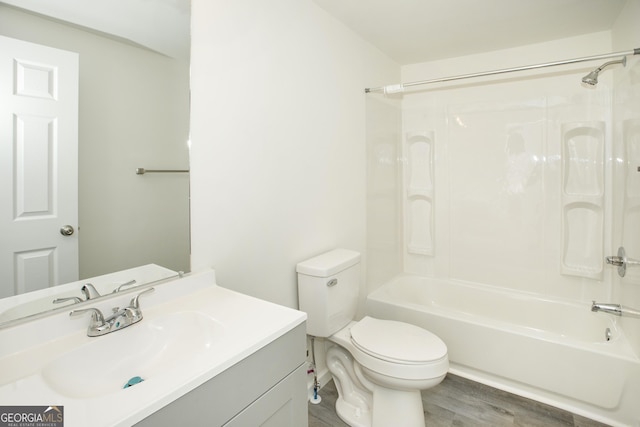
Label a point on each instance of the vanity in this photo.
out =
(202, 355)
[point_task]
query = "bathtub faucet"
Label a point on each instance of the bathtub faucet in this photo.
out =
(607, 308)
(615, 309)
(621, 261)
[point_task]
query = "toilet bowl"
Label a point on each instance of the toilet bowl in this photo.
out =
(379, 366)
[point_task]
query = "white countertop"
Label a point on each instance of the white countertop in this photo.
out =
(241, 326)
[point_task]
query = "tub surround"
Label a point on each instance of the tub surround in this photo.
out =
(219, 329)
(505, 185)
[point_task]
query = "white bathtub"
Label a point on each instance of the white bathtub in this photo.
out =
(553, 351)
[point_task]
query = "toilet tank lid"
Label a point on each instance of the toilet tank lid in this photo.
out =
(329, 263)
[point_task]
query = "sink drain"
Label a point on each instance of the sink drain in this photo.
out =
(133, 381)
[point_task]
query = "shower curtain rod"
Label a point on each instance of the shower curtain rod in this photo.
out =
(397, 88)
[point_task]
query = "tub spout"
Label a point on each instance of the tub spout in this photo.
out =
(607, 308)
(615, 309)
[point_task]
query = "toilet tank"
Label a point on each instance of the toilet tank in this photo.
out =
(328, 286)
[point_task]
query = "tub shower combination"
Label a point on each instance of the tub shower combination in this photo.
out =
(563, 352)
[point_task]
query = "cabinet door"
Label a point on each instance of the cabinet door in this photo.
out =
(284, 405)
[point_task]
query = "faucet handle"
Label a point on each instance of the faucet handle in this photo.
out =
(98, 325)
(129, 283)
(134, 301)
(75, 300)
(97, 319)
(615, 260)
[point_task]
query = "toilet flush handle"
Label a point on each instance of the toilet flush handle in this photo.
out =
(332, 282)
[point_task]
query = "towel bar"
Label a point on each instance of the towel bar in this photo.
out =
(142, 171)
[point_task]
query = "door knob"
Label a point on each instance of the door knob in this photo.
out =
(67, 230)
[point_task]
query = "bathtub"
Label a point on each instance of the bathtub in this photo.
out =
(553, 351)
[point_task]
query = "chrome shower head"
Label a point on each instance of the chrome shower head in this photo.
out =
(592, 78)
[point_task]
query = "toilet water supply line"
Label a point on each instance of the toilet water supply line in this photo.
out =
(399, 88)
(315, 399)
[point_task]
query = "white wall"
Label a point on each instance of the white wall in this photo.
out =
(500, 165)
(134, 112)
(278, 140)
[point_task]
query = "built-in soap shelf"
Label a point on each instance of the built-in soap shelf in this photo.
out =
(583, 199)
(419, 208)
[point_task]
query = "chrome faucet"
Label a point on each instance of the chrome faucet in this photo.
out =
(119, 319)
(89, 292)
(621, 261)
(615, 309)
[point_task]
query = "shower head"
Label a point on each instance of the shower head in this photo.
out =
(592, 78)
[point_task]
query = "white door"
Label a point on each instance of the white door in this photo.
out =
(38, 166)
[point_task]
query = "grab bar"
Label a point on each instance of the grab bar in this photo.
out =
(142, 171)
(615, 309)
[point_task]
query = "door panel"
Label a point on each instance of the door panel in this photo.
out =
(38, 166)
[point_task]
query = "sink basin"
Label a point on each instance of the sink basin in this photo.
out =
(149, 349)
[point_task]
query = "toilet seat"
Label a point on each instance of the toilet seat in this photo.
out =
(379, 360)
(397, 342)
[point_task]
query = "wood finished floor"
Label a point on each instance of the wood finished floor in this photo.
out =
(458, 402)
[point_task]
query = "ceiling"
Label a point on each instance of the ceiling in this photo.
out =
(408, 31)
(160, 25)
(411, 31)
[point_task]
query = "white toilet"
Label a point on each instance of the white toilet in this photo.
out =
(379, 366)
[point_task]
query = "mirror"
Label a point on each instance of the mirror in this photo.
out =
(133, 113)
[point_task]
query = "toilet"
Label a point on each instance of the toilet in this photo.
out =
(379, 366)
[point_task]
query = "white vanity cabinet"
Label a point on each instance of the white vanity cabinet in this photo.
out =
(267, 388)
